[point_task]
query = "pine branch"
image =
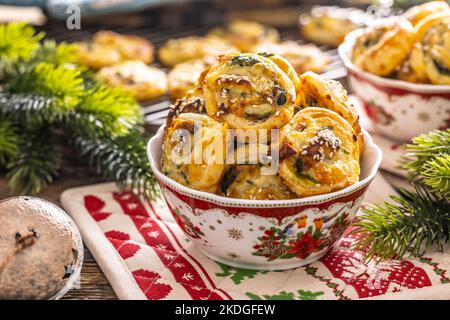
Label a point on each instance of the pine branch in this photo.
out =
(60, 82)
(57, 54)
(424, 148)
(436, 175)
(8, 142)
(18, 41)
(41, 88)
(105, 111)
(45, 94)
(416, 221)
(122, 159)
(27, 108)
(36, 164)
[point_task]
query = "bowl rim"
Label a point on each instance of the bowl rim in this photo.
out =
(344, 53)
(234, 202)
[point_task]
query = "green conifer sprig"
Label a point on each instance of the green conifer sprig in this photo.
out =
(122, 159)
(9, 139)
(29, 109)
(36, 164)
(106, 110)
(18, 41)
(436, 175)
(419, 219)
(63, 83)
(415, 221)
(43, 92)
(424, 148)
(57, 54)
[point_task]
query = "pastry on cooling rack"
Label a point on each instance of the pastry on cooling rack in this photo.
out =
(318, 153)
(329, 25)
(142, 81)
(96, 56)
(180, 50)
(184, 159)
(245, 35)
(184, 77)
(249, 91)
(190, 104)
(302, 57)
(384, 47)
(318, 91)
(417, 13)
(430, 57)
(130, 47)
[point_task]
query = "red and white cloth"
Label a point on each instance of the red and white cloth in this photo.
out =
(145, 255)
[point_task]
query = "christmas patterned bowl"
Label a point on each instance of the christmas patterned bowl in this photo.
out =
(399, 110)
(263, 234)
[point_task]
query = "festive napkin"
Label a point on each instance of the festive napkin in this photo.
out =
(145, 255)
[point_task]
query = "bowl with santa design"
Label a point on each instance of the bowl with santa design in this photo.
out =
(399, 110)
(263, 234)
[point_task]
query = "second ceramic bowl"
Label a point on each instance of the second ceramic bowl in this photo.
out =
(399, 110)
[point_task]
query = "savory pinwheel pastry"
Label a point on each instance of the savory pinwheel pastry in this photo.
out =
(245, 35)
(384, 47)
(247, 182)
(417, 13)
(302, 57)
(130, 47)
(142, 81)
(318, 91)
(285, 66)
(329, 25)
(96, 56)
(317, 153)
(189, 104)
(185, 77)
(249, 91)
(431, 55)
(196, 162)
(251, 176)
(406, 72)
(180, 50)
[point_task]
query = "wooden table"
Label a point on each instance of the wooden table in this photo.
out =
(93, 283)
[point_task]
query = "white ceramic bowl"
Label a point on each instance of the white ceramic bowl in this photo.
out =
(263, 234)
(399, 110)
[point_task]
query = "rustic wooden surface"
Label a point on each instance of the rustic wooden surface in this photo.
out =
(93, 283)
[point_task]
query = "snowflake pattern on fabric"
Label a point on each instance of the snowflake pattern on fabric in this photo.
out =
(181, 273)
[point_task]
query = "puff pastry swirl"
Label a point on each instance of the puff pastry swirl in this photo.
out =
(318, 154)
(249, 91)
(183, 157)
